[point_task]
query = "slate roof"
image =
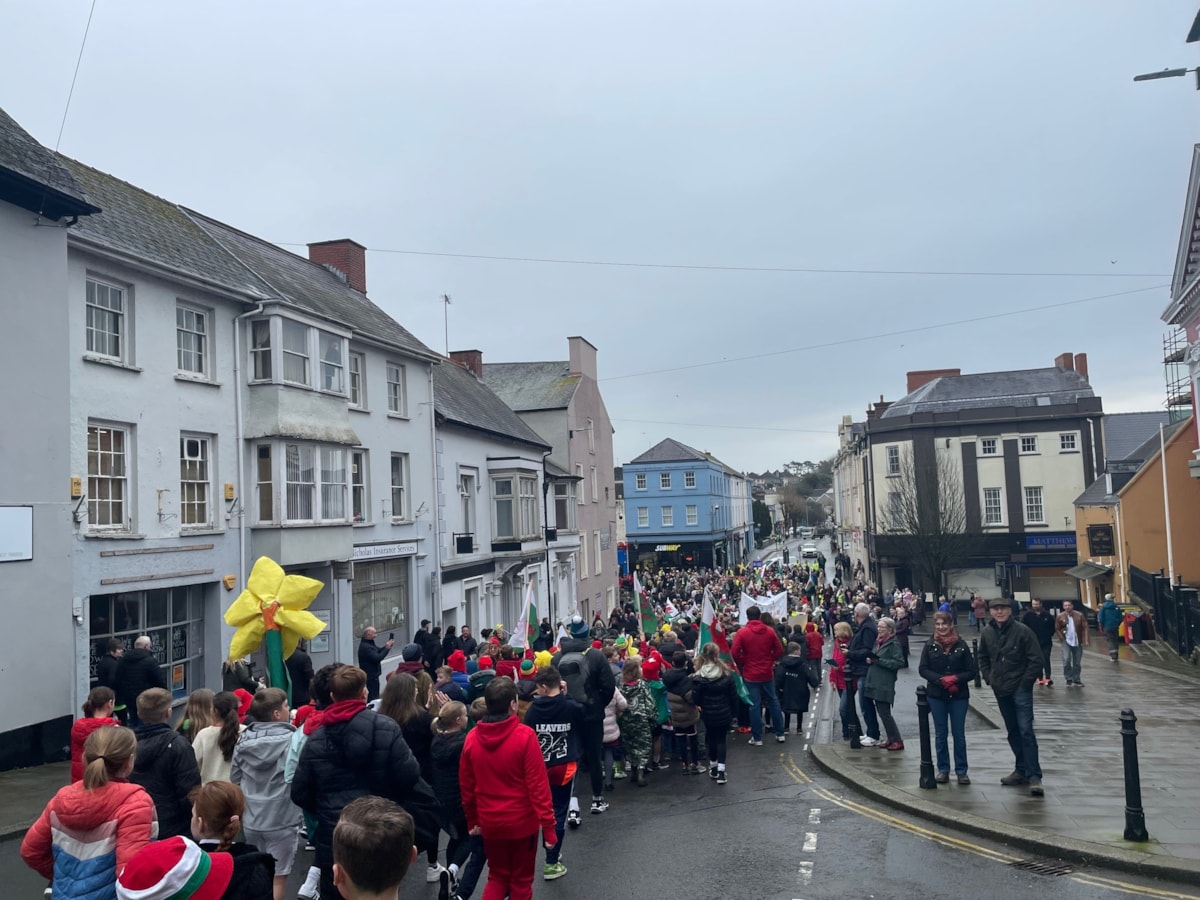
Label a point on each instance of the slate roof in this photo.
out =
(461, 398)
(1022, 387)
(1096, 493)
(669, 450)
(32, 178)
(1123, 432)
(529, 386)
(313, 287)
(148, 227)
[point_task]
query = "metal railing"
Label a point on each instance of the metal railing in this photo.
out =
(1176, 609)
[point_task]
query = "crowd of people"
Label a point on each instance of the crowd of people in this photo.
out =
(479, 751)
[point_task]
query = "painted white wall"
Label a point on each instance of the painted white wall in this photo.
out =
(37, 466)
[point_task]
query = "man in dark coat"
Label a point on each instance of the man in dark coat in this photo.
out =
(860, 650)
(1040, 621)
(106, 673)
(599, 684)
(355, 752)
(370, 659)
(469, 644)
(300, 670)
(137, 671)
(165, 764)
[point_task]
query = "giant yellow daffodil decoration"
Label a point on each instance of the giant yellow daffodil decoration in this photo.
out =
(273, 609)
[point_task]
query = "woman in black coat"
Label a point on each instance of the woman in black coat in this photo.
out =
(949, 668)
(450, 643)
(715, 694)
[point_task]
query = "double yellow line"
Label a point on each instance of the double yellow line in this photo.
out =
(792, 768)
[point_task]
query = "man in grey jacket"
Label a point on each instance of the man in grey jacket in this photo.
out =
(1010, 660)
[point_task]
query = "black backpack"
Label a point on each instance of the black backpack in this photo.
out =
(573, 667)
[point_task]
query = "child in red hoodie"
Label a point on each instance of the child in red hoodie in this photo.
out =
(506, 794)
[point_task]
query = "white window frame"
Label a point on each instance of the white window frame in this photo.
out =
(581, 497)
(596, 552)
(689, 480)
(356, 370)
(1034, 501)
(398, 478)
(294, 354)
(1027, 445)
(195, 481)
(643, 517)
(998, 519)
(564, 502)
(530, 519)
(895, 510)
(262, 365)
(591, 432)
(264, 481)
(468, 487)
(986, 443)
(307, 478)
(892, 460)
(595, 486)
(360, 487)
(583, 559)
(331, 366)
(664, 481)
(107, 323)
(1068, 442)
(109, 482)
(397, 389)
(193, 324)
(668, 516)
(691, 514)
(639, 481)
(334, 485)
(504, 497)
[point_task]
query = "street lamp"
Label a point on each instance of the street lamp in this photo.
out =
(1168, 73)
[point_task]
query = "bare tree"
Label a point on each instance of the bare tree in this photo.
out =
(927, 503)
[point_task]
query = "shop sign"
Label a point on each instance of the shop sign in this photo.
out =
(383, 551)
(666, 548)
(1100, 540)
(16, 533)
(1049, 541)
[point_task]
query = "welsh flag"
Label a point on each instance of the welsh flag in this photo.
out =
(670, 610)
(710, 630)
(526, 631)
(645, 608)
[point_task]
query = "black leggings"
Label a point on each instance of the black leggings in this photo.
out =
(714, 737)
(688, 747)
(459, 847)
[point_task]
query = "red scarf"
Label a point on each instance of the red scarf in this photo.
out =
(946, 641)
(342, 711)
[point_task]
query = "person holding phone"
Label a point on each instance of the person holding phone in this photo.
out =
(370, 659)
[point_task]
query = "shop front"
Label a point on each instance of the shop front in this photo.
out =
(382, 589)
(686, 555)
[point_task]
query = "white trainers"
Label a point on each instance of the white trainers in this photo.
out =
(868, 741)
(781, 738)
(434, 873)
(753, 743)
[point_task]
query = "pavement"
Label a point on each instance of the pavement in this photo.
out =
(1082, 816)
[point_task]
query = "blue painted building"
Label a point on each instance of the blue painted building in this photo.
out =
(685, 508)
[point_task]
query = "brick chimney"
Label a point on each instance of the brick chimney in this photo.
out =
(924, 376)
(471, 360)
(1081, 365)
(1065, 361)
(347, 256)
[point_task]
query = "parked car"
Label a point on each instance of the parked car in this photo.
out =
(810, 551)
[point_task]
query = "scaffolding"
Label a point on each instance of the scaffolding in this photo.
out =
(1179, 381)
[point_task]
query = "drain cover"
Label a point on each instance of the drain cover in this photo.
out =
(1044, 866)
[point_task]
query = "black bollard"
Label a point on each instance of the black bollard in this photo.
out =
(1135, 816)
(975, 654)
(927, 780)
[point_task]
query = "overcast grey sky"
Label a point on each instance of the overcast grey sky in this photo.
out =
(920, 136)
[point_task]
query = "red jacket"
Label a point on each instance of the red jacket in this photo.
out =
(837, 672)
(502, 775)
(509, 667)
(79, 735)
(816, 643)
(756, 648)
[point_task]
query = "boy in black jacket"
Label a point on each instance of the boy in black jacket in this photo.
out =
(165, 764)
(555, 718)
(792, 683)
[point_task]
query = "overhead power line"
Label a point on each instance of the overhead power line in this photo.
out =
(825, 345)
(803, 270)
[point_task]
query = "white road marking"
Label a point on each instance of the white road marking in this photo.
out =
(814, 817)
(806, 871)
(810, 842)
